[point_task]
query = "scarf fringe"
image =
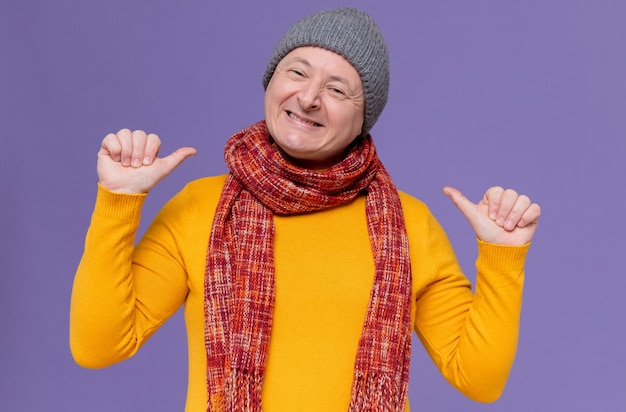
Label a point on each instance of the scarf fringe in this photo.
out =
(242, 393)
(377, 392)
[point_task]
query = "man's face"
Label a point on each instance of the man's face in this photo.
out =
(314, 107)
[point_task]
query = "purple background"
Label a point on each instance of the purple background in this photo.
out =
(526, 94)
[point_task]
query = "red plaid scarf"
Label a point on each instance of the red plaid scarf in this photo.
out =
(239, 277)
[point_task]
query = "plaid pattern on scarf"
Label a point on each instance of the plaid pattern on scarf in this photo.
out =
(239, 276)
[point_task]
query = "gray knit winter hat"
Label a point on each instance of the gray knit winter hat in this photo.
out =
(353, 34)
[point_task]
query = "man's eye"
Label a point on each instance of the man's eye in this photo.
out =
(339, 93)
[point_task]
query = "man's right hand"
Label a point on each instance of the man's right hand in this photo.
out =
(128, 161)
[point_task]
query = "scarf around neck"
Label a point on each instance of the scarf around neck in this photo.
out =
(239, 274)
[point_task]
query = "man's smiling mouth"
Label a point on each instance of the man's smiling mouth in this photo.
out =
(299, 119)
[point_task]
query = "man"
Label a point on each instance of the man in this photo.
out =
(303, 271)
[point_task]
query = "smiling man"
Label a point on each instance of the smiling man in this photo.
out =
(314, 107)
(303, 271)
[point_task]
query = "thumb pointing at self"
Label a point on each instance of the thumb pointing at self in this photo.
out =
(501, 217)
(476, 214)
(461, 202)
(174, 160)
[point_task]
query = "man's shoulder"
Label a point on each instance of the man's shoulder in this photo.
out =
(412, 205)
(208, 183)
(204, 191)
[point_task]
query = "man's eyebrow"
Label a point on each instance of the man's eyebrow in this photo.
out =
(298, 59)
(341, 80)
(302, 60)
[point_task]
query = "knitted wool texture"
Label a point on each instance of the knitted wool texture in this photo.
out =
(239, 276)
(354, 35)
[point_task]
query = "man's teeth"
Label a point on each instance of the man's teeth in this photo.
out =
(293, 116)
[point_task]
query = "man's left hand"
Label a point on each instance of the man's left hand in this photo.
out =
(502, 216)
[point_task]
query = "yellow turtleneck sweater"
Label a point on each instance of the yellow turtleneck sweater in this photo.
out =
(324, 272)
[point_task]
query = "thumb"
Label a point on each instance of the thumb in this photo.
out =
(174, 160)
(461, 202)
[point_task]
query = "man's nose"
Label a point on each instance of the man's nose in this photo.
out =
(309, 95)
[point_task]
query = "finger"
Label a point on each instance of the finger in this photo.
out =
(460, 201)
(125, 139)
(153, 145)
(530, 215)
(492, 198)
(517, 211)
(507, 201)
(139, 139)
(111, 147)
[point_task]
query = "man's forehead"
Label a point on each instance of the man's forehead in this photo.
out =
(304, 56)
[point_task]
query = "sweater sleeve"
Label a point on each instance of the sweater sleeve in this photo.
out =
(471, 337)
(122, 293)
